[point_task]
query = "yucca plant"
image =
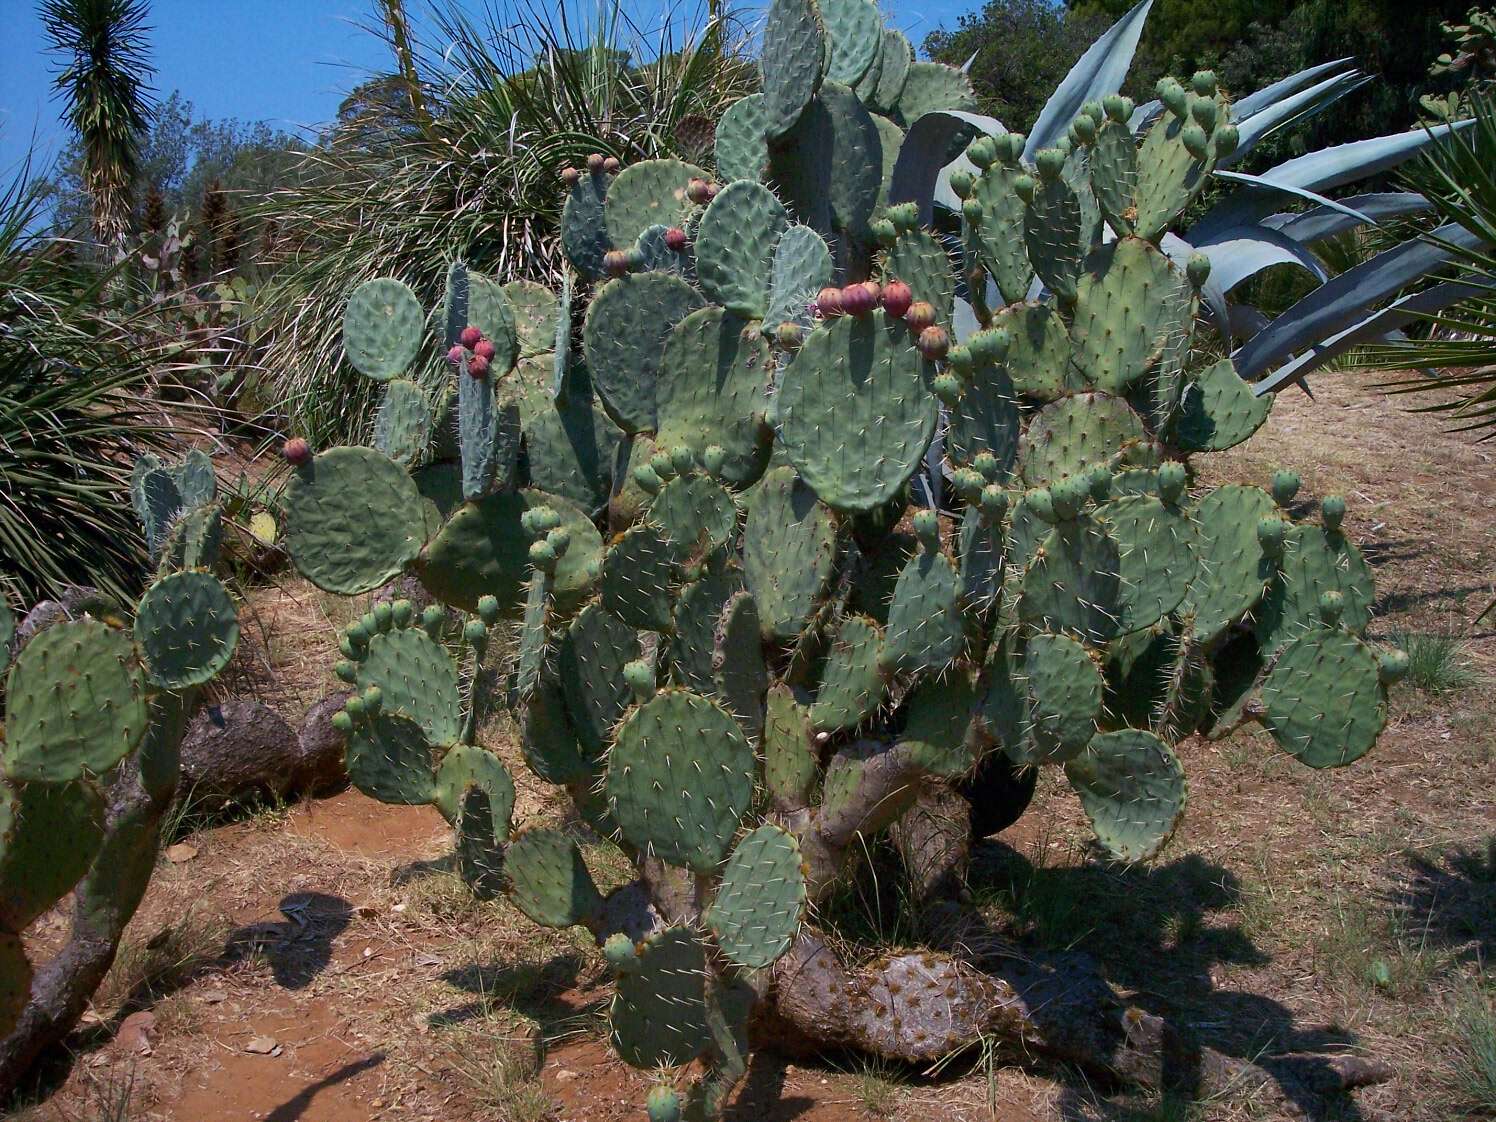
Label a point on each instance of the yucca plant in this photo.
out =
(71, 415)
(456, 151)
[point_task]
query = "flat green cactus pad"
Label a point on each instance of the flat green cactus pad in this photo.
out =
(1117, 332)
(894, 59)
(760, 900)
(739, 676)
(981, 559)
(854, 35)
(417, 678)
(921, 262)
(696, 515)
(649, 193)
(939, 732)
(791, 764)
(571, 442)
(1315, 561)
(794, 47)
(1065, 689)
(999, 231)
(382, 328)
(711, 391)
(549, 881)
(1074, 434)
(789, 551)
(1039, 350)
(1233, 571)
(680, 778)
(584, 235)
(1114, 174)
(639, 576)
(1074, 584)
(1156, 548)
(698, 613)
(353, 520)
(852, 680)
(548, 739)
(403, 424)
(1323, 700)
(465, 766)
(490, 312)
(931, 86)
(1218, 410)
(75, 703)
(484, 550)
(924, 632)
(742, 145)
(658, 1014)
(624, 334)
(1052, 227)
(479, 850)
(735, 247)
(186, 628)
(536, 312)
(802, 267)
(1133, 791)
(50, 834)
(389, 759)
(594, 651)
(1169, 177)
(856, 384)
(985, 419)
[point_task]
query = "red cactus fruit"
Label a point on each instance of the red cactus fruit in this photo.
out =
(897, 297)
(296, 451)
(478, 366)
(595, 162)
(857, 300)
(829, 302)
(470, 336)
(675, 239)
(920, 316)
(611, 165)
(454, 356)
(615, 262)
(485, 350)
(697, 191)
(933, 343)
(711, 191)
(570, 176)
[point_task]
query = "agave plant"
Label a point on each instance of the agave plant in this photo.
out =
(457, 152)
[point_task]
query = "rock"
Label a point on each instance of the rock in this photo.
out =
(72, 602)
(240, 749)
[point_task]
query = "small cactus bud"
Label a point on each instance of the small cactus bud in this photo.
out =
(897, 297)
(962, 181)
(488, 610)
(713, 459)
(342, 722)
(968, 483)
(971, 210)
(485, 350)
(1049, 162)
(478, 367)
(982, 152)
(1204, 110)
(1204, 83)
(857, 300)
(1285, 486)
(904, 216)
(789, 335)
(1392, 666)
(1093, 110)
(611, 165)
(1270, 533)
(711, 191)
(1225, 139)
(559, 540)
(1332, 512)
(345, 670)
(1117, 108)
(1017, 141)
(615, 263)
(675, 240)
(1195, 142)
(373, 700)
(1069, 496)
(660, 464)
(1023, 187)
(927, 528)
(1197, 268)
(1331, 605)
(683, 458)
(933, 342)
(648, 481)
(1041, 504)
(403, 612)
(296, 451)
(994, 502)
(595, 163)
(884, 232)
(1172, 478)
(433, 617)
(662, 1104)
(1099, 483)
(947, 388)
(384, 616)
(1085, 129)
(989, 346)
(570, 176)
(475, 635)
(621, 953)
(470, 336)
(959, 358)
(920, 315)
(1172, 94)
(829, 302)
(353, 708)
(640, 678)
(696, 191)
(456, 354)
(987, 464)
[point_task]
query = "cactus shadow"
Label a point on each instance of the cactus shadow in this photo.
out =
(1159, 932)
(296, 1106)
(553, 993)
(1449, 900)
(300, 948)
(761, 1097)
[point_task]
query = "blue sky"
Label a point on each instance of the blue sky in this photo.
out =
(286, 62)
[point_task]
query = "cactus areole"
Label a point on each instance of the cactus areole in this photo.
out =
(805, 545)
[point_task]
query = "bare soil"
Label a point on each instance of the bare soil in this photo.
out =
(321, 963)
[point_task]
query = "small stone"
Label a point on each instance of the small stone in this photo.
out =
(262, 1045)
(182, 851)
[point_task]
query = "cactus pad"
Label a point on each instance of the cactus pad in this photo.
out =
(680, 777)
(760, 901)
(789, 551)
(186, 628)
(924, 630)
(791, 766)
(1133, 791)
(627, 324)
(1218, 410)
(1065, 688)
(852, 679)
(417, 678)
(639, 574)
(389, 759)
(1322, 700)
(794, 46)
(658, 1013)
(1117, 331)
(742, 146)
(1156, 555)
(802, 267)
(939, 733)
(1074, 584)
(592, 656)
(584, 236)
(1315, 561)
(1039, 350)
(466, 766)
(735, 247)
(549, 881)
(536, 314)
(1072, 435)
(1233, 572)
(50, 834)
(647, 194)
(383, 325)
(403, 424)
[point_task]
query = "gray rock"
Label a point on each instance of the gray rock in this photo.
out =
(240, 749)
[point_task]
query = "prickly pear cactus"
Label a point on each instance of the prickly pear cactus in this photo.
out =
(90, 697)
(838, 502)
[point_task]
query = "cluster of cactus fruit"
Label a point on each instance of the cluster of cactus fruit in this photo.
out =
(90, 696)
(735, 619)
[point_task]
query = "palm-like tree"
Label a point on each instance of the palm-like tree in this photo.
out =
(104, 85)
